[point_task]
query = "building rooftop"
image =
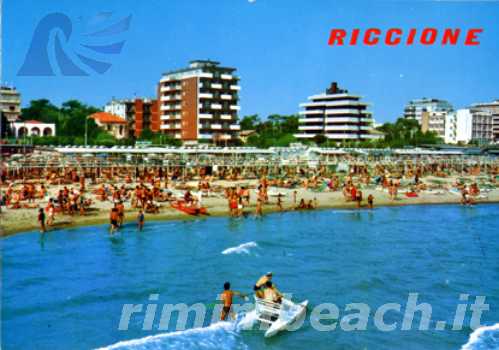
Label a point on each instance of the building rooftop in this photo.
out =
(335, 89)
(107, 118)
(201, 64)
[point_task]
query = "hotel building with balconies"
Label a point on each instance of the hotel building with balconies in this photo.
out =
(200, 102)
(10, 103)
(140, 114)
(415, 108)
(337, 115)
(486, 121)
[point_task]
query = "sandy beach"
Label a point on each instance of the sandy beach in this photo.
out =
(14, 221)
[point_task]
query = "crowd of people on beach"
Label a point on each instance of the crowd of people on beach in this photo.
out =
(72, 192)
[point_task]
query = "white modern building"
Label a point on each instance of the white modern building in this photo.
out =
(415, 108)
(337, 115)
(32, 128)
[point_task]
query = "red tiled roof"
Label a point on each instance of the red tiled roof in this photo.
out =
(107, 118)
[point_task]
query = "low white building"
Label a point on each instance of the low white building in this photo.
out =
(33, 128)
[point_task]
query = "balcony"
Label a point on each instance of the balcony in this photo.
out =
(235, 108)
(343, 120)
(333, 103)
(235, 87)
(170, 107)
(216, 126)
(206, 75)
(310, 120)
(170, 88)
(310, 127)
(226, 116)
(205, 116)
(314, 111)
(216, 86)
(342, 136)
(341, 127)
(205, 95)
(342, 111)
(304, 136)
(172, 97)
(226, 97)
(226, 77)
(216, 106)
(234, 127)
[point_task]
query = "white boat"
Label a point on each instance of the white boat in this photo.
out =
(276, 316)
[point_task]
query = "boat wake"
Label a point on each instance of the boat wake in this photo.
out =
(220, 335)
(483, 338)
(240, 249)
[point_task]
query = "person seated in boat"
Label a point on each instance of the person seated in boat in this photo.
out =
(270, 293)
(261, 284)
(258, 292)
(227, 296)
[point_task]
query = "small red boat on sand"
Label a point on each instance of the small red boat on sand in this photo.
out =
(191, 210)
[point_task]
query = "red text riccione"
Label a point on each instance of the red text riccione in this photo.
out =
(397, 36)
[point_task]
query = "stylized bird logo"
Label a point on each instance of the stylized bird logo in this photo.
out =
(71, 61)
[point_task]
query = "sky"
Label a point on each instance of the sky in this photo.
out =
(279, 48)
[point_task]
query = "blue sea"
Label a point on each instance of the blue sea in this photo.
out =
(67, 288)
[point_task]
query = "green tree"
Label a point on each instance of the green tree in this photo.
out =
(249, 122)
(5, 130)
(320, 139)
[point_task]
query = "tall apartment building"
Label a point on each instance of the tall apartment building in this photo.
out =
(337, 115)
(415, 108)
(10, 103)
(139, 113)
(200, 102)
(487, 122)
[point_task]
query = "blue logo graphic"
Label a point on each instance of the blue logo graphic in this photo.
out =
(54, 46)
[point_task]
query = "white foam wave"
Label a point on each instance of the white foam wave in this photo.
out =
(483, 338)
(220, 335)
(240, 249)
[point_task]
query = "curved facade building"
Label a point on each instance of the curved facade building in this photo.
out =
(337, 115)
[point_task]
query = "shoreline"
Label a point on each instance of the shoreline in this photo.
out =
(17, 224)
